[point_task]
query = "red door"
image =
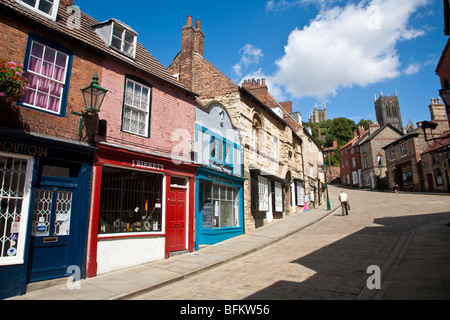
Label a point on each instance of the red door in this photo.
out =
(176, 220)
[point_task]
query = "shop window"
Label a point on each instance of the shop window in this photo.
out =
(46, 8)
(48, 73)
(220, 205)
(407, 177)
(136, 108)
(130, 201)
(259, 193)
(278, 197)
(299, 193)
(15, 182)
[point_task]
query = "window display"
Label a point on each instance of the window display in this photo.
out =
(220, 206)
(130, 201)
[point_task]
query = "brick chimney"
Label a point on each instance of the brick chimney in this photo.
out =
(438, 115)
(67, 2)
(287, 105)
(260, 90)
(192, 39)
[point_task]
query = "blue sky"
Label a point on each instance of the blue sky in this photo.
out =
(337, 53)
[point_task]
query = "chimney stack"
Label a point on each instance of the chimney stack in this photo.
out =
(189, 21)
(192, 39)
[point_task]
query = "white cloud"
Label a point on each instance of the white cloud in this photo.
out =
(250, 55)
(413, 68)
(347, 46)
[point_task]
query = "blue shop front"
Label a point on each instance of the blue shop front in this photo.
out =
(45, 195)
(220, 212)
(219, 206)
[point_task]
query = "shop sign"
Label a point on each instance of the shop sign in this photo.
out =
(9, 146)
(147, 165)
(219, 179)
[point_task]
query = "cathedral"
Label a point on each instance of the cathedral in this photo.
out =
(318, 115)
(387, 109)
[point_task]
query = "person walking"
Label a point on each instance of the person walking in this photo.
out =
(395, 187)
(343, 198)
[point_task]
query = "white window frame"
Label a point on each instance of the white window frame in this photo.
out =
(275, 147)
(134, 108)
(35, 8)
(263, 194)
(278, 192)
(18, 258)
(124, 33)
(299, 193)
(355, 177)
(403, 150)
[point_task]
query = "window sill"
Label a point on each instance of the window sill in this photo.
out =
(119, 236)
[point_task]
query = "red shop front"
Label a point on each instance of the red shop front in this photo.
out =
(142, 209)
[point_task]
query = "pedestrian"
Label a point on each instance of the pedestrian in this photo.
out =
(343, 198)
(395, 187)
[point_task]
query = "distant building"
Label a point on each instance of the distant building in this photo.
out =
(318, 115)
(387, 109)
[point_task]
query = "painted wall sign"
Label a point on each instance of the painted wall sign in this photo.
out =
(9, 146)
(147, 165)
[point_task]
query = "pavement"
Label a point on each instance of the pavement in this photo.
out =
(418, 268)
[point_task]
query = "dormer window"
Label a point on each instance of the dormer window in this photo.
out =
(118, 36)
(47, 8)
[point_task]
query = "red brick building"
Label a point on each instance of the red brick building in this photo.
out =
(350, 160)
(132, 159)
(45, 167)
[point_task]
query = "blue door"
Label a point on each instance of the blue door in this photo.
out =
(55, 228)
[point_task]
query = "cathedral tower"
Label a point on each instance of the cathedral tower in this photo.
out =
(387, 109)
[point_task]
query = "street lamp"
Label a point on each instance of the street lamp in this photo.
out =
(93, 96)
(324, 168)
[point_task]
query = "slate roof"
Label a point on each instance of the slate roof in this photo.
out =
(87, 36)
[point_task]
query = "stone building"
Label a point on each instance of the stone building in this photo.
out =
(350, 160)
(404, 163)
(273, 166)
(373, 159)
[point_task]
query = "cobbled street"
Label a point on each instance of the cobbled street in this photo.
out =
(327, 260)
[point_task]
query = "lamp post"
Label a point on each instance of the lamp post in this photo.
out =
(324, 168)
(93, 96)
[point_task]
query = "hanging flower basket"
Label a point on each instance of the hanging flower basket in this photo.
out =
(13, 83)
